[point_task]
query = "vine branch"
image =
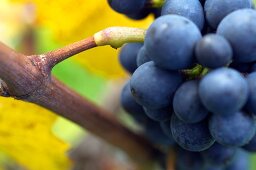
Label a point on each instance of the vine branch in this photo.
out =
(28, 78)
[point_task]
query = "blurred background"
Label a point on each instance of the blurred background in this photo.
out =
(35, 139)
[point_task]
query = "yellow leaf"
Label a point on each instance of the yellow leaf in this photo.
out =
(26, 136)
(71, 20)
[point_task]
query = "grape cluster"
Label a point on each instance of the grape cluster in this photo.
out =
(193, 83)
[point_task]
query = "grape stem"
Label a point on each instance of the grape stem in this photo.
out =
(113, 36)
(154, 3)
(117, 36)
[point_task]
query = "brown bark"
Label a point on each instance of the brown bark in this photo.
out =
(29, 78)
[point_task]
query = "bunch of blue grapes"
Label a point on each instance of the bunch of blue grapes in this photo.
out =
(193, 80)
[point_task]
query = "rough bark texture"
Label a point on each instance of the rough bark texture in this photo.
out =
(29, 78)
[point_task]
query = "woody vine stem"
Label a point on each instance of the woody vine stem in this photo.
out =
(29, 78)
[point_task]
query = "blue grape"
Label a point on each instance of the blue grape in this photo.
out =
(223, 91)
(155, 134)
(140, 15)
(187, 105)
(170, 41)
(130, 105)
(219, 155)
(159, 114)
(213, 51)
(216, 10)
(191, 9)
(251, 103)
(153, 87)
(192, 137)
(251, 146)
(232, 130)
(240, 162)
(186, 160)
(128, 56)
(143, 56)
(127, 6)
(241, 35)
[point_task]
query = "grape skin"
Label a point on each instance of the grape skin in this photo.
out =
(213, 51)
(223, 91)
(251, 103)
(241, 35)
(153, 87)
(232, 130)
(143, 56)
(216, 10)
(159, 114)
(170, 41)
(219, 155)
(187, 104)
(241, 161)
(130, 105)
(127, 6)
(194, 137)
(128, 56)
(191, 9)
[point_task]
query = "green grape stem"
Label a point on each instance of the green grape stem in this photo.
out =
(118, 36)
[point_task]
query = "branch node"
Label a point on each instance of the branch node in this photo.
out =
(4, 92)
(40, 61)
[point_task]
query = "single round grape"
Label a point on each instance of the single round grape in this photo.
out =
(223, 91)
(251, 146)
(153, 87)
(192, 137)
(216, 10)
(130, 105)
(140, 15)
(187, 105)
(219, 155)
(238, 29)
(170, 41)
(251, 103)
(127, 6)
(159, 114)
(232, 130)
(240, 162)
(213, 51)
(191, 9)
(143, 56)
(128, 56)
(186, 160)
